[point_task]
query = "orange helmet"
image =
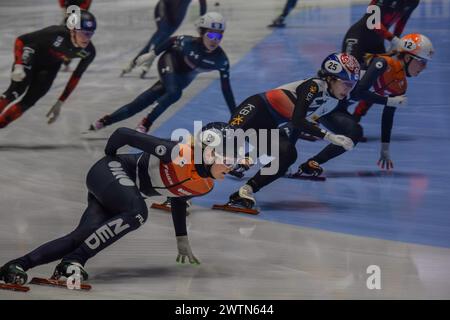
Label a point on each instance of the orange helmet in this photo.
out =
(417, 45)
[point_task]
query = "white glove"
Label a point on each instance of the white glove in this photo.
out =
(385, 161)
(54, 111)
(146, 58)
(395, 43)
(18, 73)
(340, 140)
(397, 101)
(184, 250)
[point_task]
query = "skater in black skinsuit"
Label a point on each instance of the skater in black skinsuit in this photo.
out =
(116, 185)
(38, 58)
(279, 21)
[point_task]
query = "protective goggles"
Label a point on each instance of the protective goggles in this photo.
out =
(87, 34)
(216, 36)
(422, 61)
(349, 84)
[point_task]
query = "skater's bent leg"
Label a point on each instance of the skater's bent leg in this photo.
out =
(172, 95)
(92, 218)
(11, 114)
(39, 86)
(287, 157)
(163, 33)
(124, 204)
(173, 83)
(112, 230)
(144, 100)
(290, 4)
(340, 123)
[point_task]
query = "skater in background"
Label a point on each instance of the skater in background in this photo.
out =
(183, 58)
(82, 4)
(64, 4)
(296, 108)
(360, 39)
(116, 206)
(387, 74)
(169, 14)
(37, 59)
(279, 21)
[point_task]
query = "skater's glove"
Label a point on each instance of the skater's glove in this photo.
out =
(395, 43)
(54, 111)
(243, 164)
(398, 101)
(385, 161)
(146, 58)
(340, 140)
(18, 73)
(184, 250)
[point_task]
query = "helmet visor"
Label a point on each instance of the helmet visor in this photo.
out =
(215, 36)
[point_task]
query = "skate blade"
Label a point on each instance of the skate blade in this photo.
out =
(58, 283)
(161, 206)
(14, 287)
(226, 207)
(306, 177)
(238, 175)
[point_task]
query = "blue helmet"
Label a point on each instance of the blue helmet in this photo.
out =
(342, 66)
(88, 21)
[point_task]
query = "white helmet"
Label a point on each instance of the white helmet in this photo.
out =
(418, 45)
(211, 20)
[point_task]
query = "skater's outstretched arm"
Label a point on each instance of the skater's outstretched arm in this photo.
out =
(78, 72)
(362, 90)
(160, 148)
(178, 206)
(387, 121)
(226, 88)
(306, 93)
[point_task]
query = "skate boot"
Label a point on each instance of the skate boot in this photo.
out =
(128, 68)
(309, 170)
(277, 23)
(241, 201)
(13, 273)
(62, 270)
(68, 270)
(143, 126)
(99, 124)
(144, 69)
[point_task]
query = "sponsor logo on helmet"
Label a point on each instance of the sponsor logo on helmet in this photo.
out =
(217, 25)
(350, 63)
(333, 66)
